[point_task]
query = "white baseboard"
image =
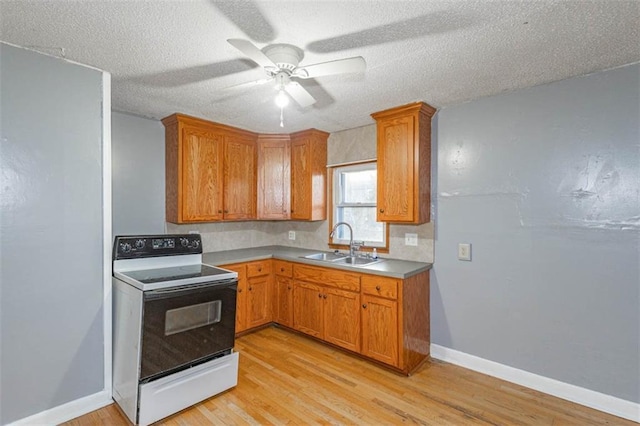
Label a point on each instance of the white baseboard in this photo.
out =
(589, 398)
(68, 411)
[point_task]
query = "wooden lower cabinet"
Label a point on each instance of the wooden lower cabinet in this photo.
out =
(381, 318)
(258, 303)
(283, 303)
(253, 301)
(342, 318)
(380, 329)
(308, 312)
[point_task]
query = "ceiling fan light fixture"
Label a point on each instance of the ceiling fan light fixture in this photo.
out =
(282, 100)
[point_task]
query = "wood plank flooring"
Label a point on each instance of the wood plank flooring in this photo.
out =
(286, 378)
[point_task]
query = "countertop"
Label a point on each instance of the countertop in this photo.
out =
(388, 267)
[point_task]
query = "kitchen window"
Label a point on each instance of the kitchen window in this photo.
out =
(354, 189)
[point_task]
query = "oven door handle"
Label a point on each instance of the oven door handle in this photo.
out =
(177, 291)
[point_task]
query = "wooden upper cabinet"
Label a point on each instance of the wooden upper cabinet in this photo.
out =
(309, 175)
(202, 175)
(404, 163)
(274, 177)
(210, 171)
(216, 172)
(239, 177)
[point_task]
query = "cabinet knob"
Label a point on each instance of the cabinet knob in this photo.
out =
(250, 288)
(324, 296)
(364, 305)
(226, 211)
(239, 290)
(319, 295)
(259, 269)
(288, 287)
(219, 211)
(381, 210)
(281, 269)
(378, 287)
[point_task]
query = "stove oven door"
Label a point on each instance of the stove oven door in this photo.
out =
(184, 326)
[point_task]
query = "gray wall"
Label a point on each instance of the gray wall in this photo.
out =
(137, 157)
(51, 233)
(544, 183)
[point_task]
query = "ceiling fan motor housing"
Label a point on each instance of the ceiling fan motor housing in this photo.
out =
(285, 56)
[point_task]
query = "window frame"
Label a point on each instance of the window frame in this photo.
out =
(333, 204)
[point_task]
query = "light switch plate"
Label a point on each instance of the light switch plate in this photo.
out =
(292, 235)
(410, 239)
(464, 251)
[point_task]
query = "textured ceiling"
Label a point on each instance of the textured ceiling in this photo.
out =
(172, 56)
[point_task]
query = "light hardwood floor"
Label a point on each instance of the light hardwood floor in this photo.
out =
(286, 378)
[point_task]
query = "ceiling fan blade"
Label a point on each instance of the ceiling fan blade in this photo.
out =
(249, 84)
(252, 52)
(299, 94)
(349, 65)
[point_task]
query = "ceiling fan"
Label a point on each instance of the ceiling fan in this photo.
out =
(281, 63)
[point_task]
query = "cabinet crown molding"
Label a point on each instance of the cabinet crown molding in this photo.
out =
(415, 107)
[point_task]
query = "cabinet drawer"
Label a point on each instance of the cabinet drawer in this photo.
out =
(239, 268)
(282, 268)
(328, 277)
(380, 286)
(256, 269)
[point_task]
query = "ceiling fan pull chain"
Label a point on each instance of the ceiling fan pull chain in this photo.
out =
(281, 116)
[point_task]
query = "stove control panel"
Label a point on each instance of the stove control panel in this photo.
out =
(137, 246)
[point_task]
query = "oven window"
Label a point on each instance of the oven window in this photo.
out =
(190, 317)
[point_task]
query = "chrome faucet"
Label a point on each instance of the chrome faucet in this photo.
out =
(352, 247)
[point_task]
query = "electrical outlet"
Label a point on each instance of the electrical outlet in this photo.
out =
(292, 235)
(410, 239)
(464, 251)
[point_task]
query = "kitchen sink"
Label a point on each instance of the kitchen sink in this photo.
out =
(327, 257)
(341, 259)
(358, 261)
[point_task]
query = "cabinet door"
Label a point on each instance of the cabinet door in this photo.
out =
(396, 172)
(274, 177)
(239, 178)
(342, 318)
(201, 175)
(241, 298)
(284, 306)
(307, 308)
(380, 329)
(301, 190)
(258, 304)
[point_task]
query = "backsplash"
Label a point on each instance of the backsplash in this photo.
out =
(343, 147)
(310, 235)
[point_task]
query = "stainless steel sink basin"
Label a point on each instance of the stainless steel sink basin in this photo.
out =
(358, 261)
(341, 259)
(326, 257)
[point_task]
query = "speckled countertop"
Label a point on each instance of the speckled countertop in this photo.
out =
(388, 267)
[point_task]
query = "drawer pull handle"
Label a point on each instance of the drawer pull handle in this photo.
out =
(378, 287)
(364, 305)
